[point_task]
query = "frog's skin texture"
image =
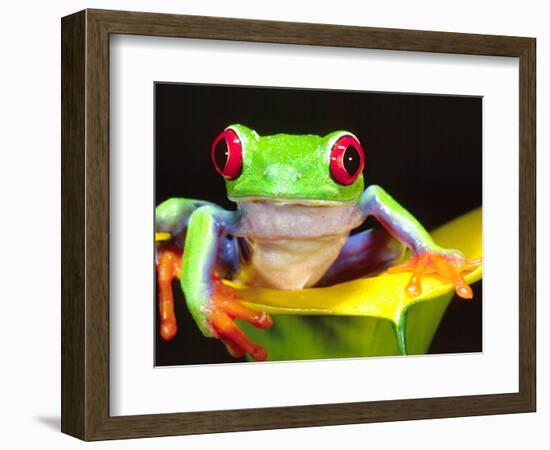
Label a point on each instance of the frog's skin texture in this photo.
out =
(298, 198)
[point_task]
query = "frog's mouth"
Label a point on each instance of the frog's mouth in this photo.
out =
(297, 219)
(290, 201)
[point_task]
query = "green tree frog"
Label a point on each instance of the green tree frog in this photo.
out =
(298, 198)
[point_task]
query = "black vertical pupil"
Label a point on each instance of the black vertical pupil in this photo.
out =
(221, 153)
(351, 160)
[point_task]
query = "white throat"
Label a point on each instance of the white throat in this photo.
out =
(293, 245)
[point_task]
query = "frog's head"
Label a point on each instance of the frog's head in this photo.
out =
(289, 168)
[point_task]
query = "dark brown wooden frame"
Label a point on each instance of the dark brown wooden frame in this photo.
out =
(85, 224)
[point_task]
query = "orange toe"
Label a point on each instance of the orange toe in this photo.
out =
(168, 330)
(451, 267)
(225, 307)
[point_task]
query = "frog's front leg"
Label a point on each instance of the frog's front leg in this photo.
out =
(427, 256)
(171, 221)
(213, 305)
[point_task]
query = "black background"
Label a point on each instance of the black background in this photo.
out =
(425, 150)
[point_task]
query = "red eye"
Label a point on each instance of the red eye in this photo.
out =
(347, 160)
(227, 154)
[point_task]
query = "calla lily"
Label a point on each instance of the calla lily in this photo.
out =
(365, 317)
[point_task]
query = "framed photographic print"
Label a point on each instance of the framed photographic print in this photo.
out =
(270, 224)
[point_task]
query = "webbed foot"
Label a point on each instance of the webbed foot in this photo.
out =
(450, 265)
(224, 307)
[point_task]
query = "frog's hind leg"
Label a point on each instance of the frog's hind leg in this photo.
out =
(364, 254)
